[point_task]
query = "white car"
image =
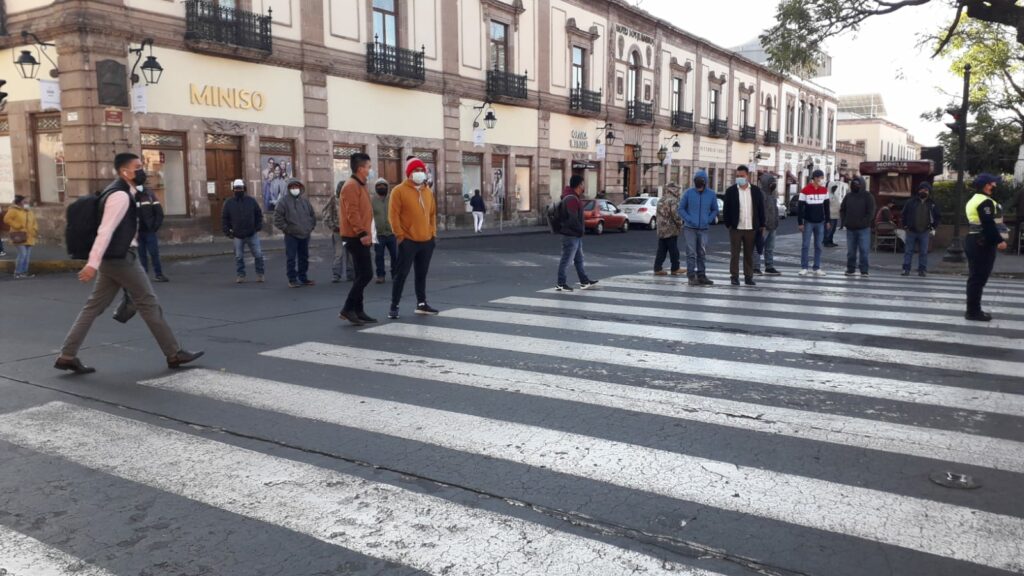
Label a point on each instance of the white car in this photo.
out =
(641, 210)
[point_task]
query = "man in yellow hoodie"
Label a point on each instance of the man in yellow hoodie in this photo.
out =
(413, 216)
(23, 230)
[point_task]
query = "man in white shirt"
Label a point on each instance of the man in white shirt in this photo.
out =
(743, 211)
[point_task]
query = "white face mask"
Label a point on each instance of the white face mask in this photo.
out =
(419, 178)
(294, 192)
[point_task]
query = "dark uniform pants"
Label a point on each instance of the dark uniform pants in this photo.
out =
(980, 259)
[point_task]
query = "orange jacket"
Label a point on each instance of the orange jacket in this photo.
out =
(356, 213)
(412, 212)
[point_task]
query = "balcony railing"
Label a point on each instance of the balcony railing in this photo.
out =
(771, 137)
(682, 121)
(502, 85)
(582, 100)
(748, 134)
(719, 128)
(208, 22)
(638, 112)
(395, 64)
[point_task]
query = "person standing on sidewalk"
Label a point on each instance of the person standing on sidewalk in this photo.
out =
(341, 261)
(983, 241)
(479, 209)
(769, 188)
(385, 235)
(920, 217)
(151, 217)
(113, 262)
(812, 218)
(698, 210)
(572, 229)
(241, 220)
(23, 229)
(856, 213)
(357, 233)
(413, 216)
(744, 216)
(669, 227)
(294, 216)
(837, 190)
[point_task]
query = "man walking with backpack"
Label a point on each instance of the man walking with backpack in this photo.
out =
(113, 262)
(571, 228)
(151, 217)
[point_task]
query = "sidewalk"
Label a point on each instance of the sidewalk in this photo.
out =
(50, 259)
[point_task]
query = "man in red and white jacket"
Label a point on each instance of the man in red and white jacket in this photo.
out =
(813, 217)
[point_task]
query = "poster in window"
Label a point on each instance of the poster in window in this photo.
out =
(498, 188)
(275, 170)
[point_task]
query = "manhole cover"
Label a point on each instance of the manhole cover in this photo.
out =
(955, 480)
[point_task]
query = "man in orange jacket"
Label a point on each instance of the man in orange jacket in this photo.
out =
(356, 219)
(413, 216)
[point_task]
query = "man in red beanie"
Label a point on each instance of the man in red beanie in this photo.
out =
(413, 216)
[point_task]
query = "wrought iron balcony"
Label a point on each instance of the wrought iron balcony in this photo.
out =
(505, 85)
(585, 101)
(682, 121)
(748, 134)
(719, 128)
(771, 137)
(206, 21)
(638, 112)
(395, 65)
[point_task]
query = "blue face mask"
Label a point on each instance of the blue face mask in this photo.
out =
(741, 182)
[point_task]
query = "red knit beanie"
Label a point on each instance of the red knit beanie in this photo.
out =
(413, 164)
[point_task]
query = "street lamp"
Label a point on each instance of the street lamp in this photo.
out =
(28, 65)
(490, 119)
(151, 69)
(609, 136)
(955, 250)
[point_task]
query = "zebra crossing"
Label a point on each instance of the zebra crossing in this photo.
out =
(609, 431)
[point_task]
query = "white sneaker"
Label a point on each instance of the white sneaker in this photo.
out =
(805, 272)
(820, 273)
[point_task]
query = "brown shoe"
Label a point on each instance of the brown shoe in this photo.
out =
(661, 273)
(308, 283)
(380, 279)
(679, 272)
(183, 357)
(74, 365)
(351, 317)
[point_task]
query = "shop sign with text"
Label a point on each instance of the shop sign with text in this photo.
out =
(219, 97)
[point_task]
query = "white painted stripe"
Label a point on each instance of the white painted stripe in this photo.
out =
(914, 281)
(379, 520)
(22, 555)
(867, 386)
(861, 320)
(813, 348)
(908, 522)
(835, 429)
(856, 303)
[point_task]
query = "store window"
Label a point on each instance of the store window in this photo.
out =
(6, 163)
(163, 157)
(499, 182)
(499, 46)
(342, 153)
(277, 157)
(524, 183)
(385, 22)
(557, 180)
(51, 179)
(472, 175)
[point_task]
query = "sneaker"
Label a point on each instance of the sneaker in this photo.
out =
(704, 280)
(864, 274)
(294, 284)
(820, 273)
(905, 273)
(660, 273)
(922, 273)
(757, 272)
(161, 278)
(259, 278)
(424, 308)
(380, 280)
(336, 280)
(749, 282)
(588, 284)
(366, 317)
(978, 316)
(2, 253)
(239, 279)
(851, 272)
(805, 272)
(393, 313)
(735, 281)
(771, 271)
(693, 281)
(24, 276)
(562, 288)
(308, 283)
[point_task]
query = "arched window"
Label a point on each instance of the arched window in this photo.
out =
(768, 118)
(634, 78)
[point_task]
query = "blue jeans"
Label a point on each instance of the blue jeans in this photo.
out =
(696, 251)
(830, 234)
(920, 240)
(341, 260)
(21, 263)
(389, 244)
(817, 229)
(572, 250)
(858, 243)
(297, 257)
(253, 242)
(768, 248)
(149, 248)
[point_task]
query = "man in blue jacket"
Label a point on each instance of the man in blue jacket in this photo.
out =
(698, 210)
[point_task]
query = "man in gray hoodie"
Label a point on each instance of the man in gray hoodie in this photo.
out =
(294, 216)
(766, 245)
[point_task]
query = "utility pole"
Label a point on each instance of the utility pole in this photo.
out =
(955, 250)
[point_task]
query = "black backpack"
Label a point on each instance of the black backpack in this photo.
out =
(82, 219)
(555, 215)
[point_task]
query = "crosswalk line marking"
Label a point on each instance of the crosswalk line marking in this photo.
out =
(904, 521)
(380, 520)
(22, 555)
(896, 438)
(855, 303)
(913, 282)
(802, 378)
(762, 343)
(810, 285)
(704, 312)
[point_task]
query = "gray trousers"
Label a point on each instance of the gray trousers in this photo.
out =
(115, 275)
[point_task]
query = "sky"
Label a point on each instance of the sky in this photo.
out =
(881, 57)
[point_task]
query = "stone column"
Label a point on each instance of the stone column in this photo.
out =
(318, 168)
(452, 157)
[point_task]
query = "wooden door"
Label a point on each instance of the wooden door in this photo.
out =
(389, 169)
(222, 167)
(631, 175)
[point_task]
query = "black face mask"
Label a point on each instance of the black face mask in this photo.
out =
(699, 183)
(239, 193)
(922, 195)
(382, 191)
(140, 177)
(855, 187)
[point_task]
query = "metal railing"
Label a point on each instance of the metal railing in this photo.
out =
(209, 22)
(638, 112)
(392, 61)
(718, 128)
(506, 85)
(748, 133)
(682, 121)
(585, 100)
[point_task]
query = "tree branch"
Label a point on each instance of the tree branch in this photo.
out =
(944, 41)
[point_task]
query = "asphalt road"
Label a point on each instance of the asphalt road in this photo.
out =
(641, 427)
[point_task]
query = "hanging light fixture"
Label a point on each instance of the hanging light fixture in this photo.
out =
(662, 153)
(490, 119)
(676, 147)
(151, 69)
(27, 64)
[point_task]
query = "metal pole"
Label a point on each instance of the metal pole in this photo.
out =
(955, 250)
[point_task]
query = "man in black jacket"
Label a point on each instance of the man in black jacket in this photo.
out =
(743, 209)
(856, 214)
(241, 219)
(572, 228)
(920, 216)
(151, 217)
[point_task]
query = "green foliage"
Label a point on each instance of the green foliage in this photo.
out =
(992, 144)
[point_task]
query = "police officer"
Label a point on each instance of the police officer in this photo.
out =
(983, 239)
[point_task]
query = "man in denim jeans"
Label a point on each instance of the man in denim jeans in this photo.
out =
(857, 213)
(920, 217)
(572, 228)
(241, 220)
(812, 219)
(698, 209)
